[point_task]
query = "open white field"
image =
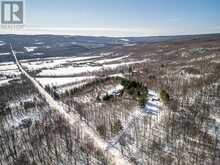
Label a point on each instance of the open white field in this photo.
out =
(8, 72)
(71, 72)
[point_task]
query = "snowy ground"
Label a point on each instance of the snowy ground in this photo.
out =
(152, 108)
(17, 121)
(65, 71)
(55, 62)
(8, 71)
(5, 54)
(115, 89)
(63, 81)
(112, 154)
(30, 49)
(71, 70)
(153, 105)
(68, 87)
(8, 66)
(2, 43)
(111, 60)
(69, 66)
(214, 127)
(5, 81)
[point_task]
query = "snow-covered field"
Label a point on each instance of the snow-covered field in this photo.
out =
(65, 88)
(55, 62)
(7, 66)
(129, 45)
(63, 81)
(132, 132)
(5, 82)
(30, 49)
(8, 71)
(111, 60)
(2, 43)
(71, 70)
(5, 54)
(74, 68)
(111, 154)
(65, 71)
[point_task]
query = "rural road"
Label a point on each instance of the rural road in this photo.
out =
(112, 154)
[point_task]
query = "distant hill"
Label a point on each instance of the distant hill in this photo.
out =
(59, 46)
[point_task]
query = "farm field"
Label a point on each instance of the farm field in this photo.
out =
(77, 100)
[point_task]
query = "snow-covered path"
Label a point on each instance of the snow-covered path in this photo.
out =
(152, 107)
(112, 154)
(137, 114)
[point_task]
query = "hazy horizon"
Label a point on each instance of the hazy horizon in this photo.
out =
(119, 18)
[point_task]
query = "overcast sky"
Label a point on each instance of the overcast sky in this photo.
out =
(121, 17)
